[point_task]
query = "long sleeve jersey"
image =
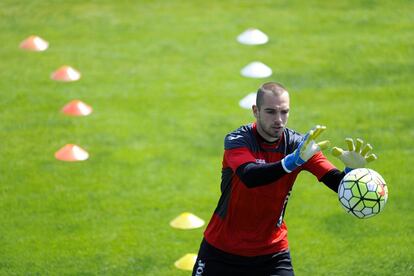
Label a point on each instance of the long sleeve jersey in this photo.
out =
(248, 220)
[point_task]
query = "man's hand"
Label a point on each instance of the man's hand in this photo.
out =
(306, 149)
(357, 155)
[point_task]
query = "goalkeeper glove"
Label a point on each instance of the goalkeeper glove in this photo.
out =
(306, 149)
(357, 155)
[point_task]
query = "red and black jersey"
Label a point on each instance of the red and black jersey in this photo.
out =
(249, 221)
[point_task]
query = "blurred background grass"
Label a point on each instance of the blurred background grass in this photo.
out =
(163, 79)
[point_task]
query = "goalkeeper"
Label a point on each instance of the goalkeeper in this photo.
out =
(246, 234)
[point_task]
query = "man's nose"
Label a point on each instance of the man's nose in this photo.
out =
(278, 118)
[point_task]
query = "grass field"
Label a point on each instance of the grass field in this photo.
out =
(163, 79)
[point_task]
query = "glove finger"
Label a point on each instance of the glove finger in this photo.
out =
(359, 143)
(350, 144)
(366, 149)
(311, 132)
(317, 131)
(337, 151)
(307, 138)
(324, 144)
(371, 157)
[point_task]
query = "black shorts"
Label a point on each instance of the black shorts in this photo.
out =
(214, 262)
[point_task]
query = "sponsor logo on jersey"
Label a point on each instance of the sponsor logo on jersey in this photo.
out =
(260, 161)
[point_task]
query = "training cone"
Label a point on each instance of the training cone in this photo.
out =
(256, 69)
(248, 101)
(34, 43)
(77, 108)
(186, 262)
(187, 221)
(66, 74)
(71, 153)
(252, 37)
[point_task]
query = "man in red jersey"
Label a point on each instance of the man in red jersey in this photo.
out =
(246, 234)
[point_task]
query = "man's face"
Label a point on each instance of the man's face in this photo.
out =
(272, 116)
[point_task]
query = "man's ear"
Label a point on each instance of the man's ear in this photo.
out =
(255, 110)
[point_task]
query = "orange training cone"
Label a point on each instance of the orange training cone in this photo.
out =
(71, 153)
(77, 108)
(34, 43)
(186, 262)
(66, 74)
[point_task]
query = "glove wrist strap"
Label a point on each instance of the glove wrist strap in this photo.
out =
(347, 170)
(285, 167)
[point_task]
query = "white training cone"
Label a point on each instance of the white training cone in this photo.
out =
(186, 262)
(256, 69)
(187, 221)
(252, 36)
(248, 101)
(34, 43)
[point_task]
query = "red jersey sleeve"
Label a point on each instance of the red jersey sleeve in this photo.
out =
(318, 165)
(238, 156)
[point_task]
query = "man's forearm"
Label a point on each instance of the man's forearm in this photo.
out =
(255, 175)
(332, 179)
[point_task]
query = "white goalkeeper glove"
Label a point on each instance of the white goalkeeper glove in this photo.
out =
(306, 149)
(357, 155)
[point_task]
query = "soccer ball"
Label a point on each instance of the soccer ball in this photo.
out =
(363, 193)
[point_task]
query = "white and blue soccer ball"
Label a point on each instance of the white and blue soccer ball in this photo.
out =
(363, 193)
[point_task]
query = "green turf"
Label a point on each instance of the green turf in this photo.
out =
(163, 79)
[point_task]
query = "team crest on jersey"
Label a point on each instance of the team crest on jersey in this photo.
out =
(260, 161)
